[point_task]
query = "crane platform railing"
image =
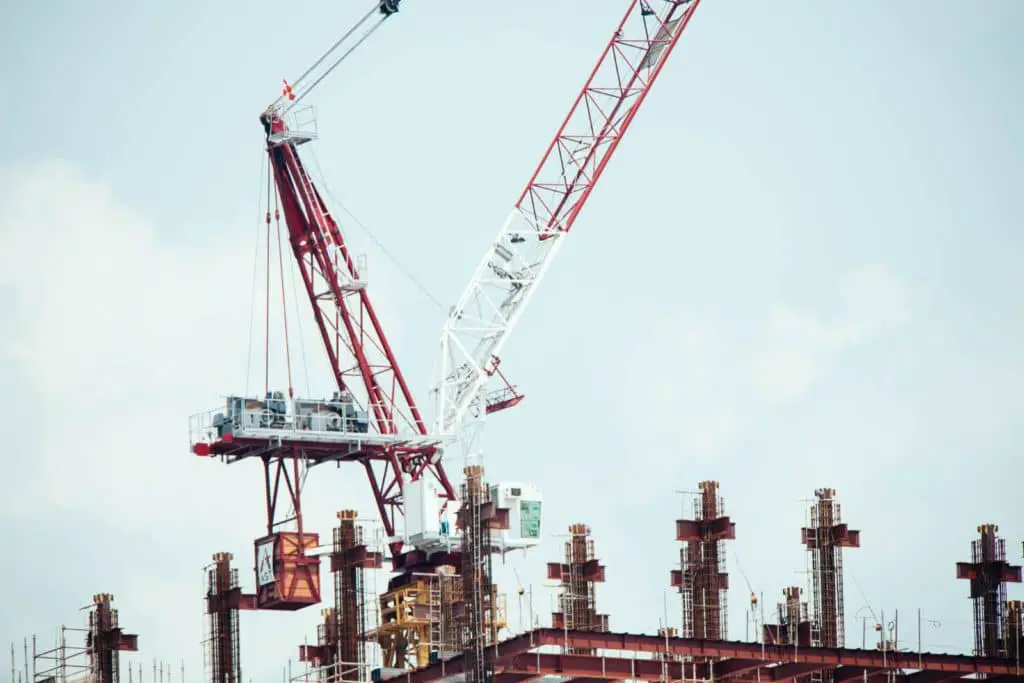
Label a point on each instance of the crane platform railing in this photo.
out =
(337, 420)
(300, 126)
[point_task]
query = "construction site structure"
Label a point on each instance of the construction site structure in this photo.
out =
(1015, 629)
(447, 604)
(593, 654)
(97, 660)
(340, 653)
(224, 599)
(371, 417)
(701, 578)
(418, 619)
(667, 632)
(825, 537)
(577, 598)
(794, 626)
(106, 640)
(478, 515)
(988, 573)
(642, 657)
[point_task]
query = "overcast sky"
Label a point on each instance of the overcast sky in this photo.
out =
(802, 269)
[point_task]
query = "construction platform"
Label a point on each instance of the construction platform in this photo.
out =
(322, 429)
(624, 656)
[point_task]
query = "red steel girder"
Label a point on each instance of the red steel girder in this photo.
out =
(516, 659)
(602, 112)
(347, 320)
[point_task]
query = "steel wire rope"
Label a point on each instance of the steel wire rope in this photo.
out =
(255, 269)
(863, 595)
(373, 238)
(339, 60)
(331, 49)
(293, 270)
(284, 297)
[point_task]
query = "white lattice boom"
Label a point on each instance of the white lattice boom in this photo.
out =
(480, 323)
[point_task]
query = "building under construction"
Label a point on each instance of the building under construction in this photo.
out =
(441, 616)
(451, 624)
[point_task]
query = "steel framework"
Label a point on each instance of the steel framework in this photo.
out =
(224, 598)
(1015, 629)
(373, 419)
(577, 599)
(106, 640)
(701, 578)
(475, 523)
(989, 572)
(480, 323)
(643, 657)
(793, 627)
(825, 538)
(98, 661)
(340, 653)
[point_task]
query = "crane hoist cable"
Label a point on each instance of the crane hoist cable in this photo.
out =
(384, 8)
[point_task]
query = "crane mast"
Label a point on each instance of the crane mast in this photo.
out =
(504, 281)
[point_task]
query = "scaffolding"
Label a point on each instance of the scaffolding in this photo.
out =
(578, 575)
(825, 537)
(989, 572)
(340, 653)
(1015, 629)
(452, 606)
(405, 623)
(105, 640)
(421, 621)
(63, 663)
(447, 601)
(224, 599)
(793, 626)
(483, 610)
(96, 661)
(702, 579)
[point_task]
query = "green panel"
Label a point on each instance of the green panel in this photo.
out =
(529, 518)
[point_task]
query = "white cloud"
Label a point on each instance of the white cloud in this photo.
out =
(710, 384)
(121, 331)
(115, 331)
(799, 346)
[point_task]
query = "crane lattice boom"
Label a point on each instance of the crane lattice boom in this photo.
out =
(350, 329)
(480, 323)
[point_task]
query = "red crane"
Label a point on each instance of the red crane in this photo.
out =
(381, 427)
(372, 418)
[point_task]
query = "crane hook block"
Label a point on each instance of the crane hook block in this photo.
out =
(389, 7)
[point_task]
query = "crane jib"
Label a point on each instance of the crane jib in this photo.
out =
(516, 260)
